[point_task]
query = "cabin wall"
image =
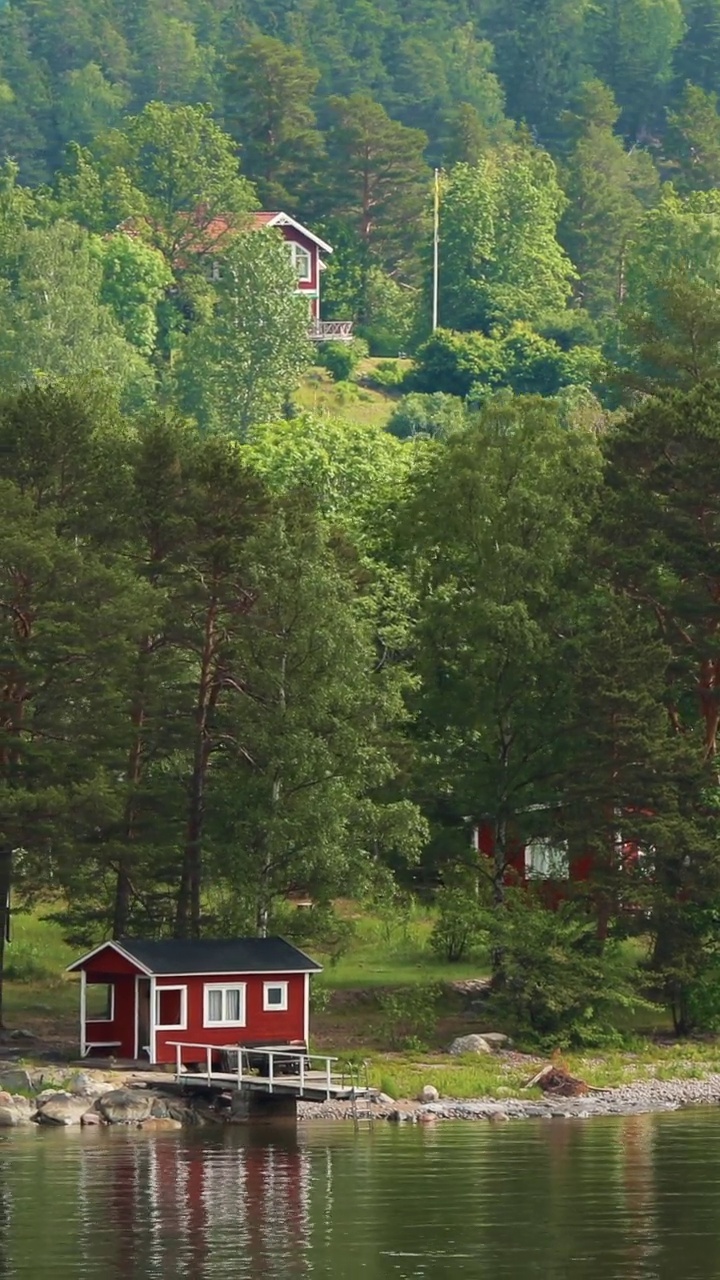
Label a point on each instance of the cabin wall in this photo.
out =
(261, 1026)
(115, 1036)
(291, 235)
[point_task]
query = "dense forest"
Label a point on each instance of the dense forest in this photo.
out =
(248, 649)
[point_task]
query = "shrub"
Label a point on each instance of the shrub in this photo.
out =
(341, 358)
(410, 1015)
(557, 985)
(388, 374)
(427, 415)
(455, 362)
(461, 925)
(25, 962)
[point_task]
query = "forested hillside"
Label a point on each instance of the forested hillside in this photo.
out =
(248, 649)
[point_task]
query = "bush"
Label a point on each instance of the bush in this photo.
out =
(341, 359)
(410, 1016)
(461, 925)
(25, 962)
(454, 362)
(427, 415)
(388, 374)
(317, 928)
(557, 985)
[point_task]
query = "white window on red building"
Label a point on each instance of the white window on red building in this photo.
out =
(302, 262)
(546, 860)
(275, 997)
(224, 1004)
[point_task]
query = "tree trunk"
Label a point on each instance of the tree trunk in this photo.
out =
(5, 886)
(123, 883)
(187, 920)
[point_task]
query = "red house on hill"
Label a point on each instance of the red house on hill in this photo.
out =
(305, 251)
(138, 998)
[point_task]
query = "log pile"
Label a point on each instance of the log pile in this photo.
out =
(558, 1082)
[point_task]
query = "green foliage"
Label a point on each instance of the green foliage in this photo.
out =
(341, 359)
(501, 257)
(239, 365)
(437, 414)
(409, 1016)
(461, 924)
(557, 985)
(470, 364)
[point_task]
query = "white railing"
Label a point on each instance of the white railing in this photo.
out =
(305, 1074)
(331, 331)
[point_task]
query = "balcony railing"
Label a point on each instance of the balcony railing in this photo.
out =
(331, 330)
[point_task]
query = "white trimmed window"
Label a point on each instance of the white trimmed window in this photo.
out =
(224, 1004)
(275, 997)
(100, 1002)
(171, 1008)
(546, 861)
(301, 260)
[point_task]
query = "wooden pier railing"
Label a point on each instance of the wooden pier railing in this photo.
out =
(303, 1077)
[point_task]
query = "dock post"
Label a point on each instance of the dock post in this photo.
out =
(271, 1077)
(328, 1079)
(178, 1062)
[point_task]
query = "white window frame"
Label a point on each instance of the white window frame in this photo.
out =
(171, 1026)
(223, 987)
(295, 249)
(93, 1017)
(546, 860)
(275, 1008)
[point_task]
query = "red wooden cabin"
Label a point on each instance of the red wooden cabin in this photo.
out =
(139, 998)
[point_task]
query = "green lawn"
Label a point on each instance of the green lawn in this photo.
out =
(352, 401)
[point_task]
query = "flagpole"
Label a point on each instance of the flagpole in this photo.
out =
(436, 248)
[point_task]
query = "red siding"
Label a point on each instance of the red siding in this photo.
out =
(109, 961)
(122, 1026)
(273, 1027)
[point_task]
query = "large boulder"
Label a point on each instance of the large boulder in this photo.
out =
(160, 1123)
(469, 1044)
(62, 1108)
(125, 1106)
(496, 1039)
(11, 1117)
(15, 1080)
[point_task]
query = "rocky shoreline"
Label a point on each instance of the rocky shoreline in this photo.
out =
(41, 1096)
(638, 1098)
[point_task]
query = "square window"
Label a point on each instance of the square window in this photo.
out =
(224, 1005)
(546, 861)
(275, 996)
(171, 1008)
(99, 1002)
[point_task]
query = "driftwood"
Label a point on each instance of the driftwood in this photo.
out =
(557, 1081)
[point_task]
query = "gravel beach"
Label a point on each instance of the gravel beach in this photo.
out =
(631, 1099)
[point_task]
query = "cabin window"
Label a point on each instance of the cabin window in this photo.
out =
(302, 262)
(545, 860)
(99, 1002)
(275, 996)
(171, 1008)
(224, 1005)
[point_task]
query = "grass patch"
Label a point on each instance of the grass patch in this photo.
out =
(355, 402)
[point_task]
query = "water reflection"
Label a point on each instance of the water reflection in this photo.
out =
(628, 1199)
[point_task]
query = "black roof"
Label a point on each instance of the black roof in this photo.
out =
(207, 955)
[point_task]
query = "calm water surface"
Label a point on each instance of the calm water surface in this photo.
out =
(605, 1199)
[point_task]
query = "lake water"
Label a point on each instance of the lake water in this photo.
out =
(601, 1199)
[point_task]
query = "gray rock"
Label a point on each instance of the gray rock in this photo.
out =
(22, 1035)
(10, 1117)
(125, 1106)
(83, 1085)
(469, 1044)
(428, 1093)
(23, 1105)
(47, 1094)
(495, 1039)
(159, 1109)
(384, 1099)
(90, 1119)
(14, 1079)
(62, 1108)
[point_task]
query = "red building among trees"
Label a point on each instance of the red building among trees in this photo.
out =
(139, 998)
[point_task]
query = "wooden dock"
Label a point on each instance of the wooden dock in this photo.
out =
(284, 1072)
